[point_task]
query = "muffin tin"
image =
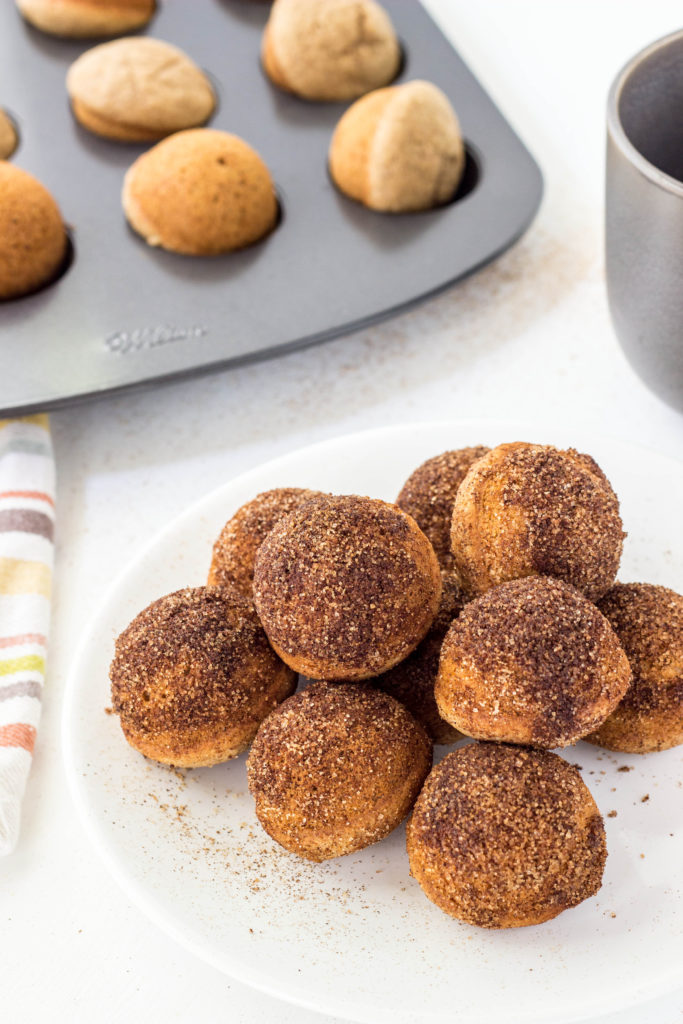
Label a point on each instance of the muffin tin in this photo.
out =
(125, 315)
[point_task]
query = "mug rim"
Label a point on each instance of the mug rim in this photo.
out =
(615, 128)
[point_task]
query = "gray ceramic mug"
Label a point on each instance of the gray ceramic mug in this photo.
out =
(644, 214)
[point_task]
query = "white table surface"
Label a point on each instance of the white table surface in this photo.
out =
(527, 337)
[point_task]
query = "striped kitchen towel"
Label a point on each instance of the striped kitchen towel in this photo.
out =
(27, 483)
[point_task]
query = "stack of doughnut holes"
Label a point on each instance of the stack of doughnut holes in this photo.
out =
(482, 605)
(203, 192)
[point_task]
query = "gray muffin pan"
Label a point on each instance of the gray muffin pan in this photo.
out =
(125, 315)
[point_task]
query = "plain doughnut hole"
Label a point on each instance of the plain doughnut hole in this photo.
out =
(468, 183)
(64, 266)
(139, 240)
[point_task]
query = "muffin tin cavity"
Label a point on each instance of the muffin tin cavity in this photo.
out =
(63, 269)
(470, 176)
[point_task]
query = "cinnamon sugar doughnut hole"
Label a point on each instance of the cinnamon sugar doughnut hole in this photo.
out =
(534, 510)
(505, 837)
(428, 495)
(530, 662)
(412, 681)
(346, 587)
(336, 768)
(234, 552)
(193, 677)
(648, 620)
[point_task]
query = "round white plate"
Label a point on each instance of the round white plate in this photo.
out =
(355, 937)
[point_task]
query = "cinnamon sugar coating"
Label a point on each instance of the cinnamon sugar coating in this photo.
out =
(193, 676)
(530, 662)
(234, 552)
(429, 493)
(346, 587)
(504, 837)
(336, 768)
(648, 620)
(412, 681)
(530, 509)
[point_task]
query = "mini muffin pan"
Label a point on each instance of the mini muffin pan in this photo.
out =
(124, 315)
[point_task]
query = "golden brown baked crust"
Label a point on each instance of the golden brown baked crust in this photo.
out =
(33, 239)
(346, 587)
(504, 837)
(138, 90)
(399, 149)
(200, 192)
(530, 662)
(648, 621)
(329, 50)
(81, 19)
(412, 681)
(234, 552)
(429, 493)
(336, 768)
(193, 677)
(531, 509)
(120, 132)
(8, 136)
(351, 145)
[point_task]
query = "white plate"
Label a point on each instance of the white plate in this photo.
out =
(355, 937)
